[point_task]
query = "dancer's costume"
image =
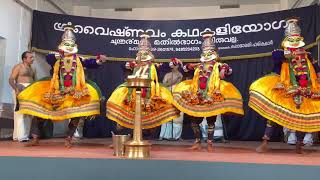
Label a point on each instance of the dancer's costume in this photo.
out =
(156, 101)
(289, 97)
(206, 95)
(67, 94)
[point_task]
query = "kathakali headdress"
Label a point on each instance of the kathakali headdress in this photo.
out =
(293, 38)
(68, 41)
(209, 52)
(144, 52)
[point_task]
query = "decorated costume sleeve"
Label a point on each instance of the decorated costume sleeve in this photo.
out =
(90, 63)
(130, 65)
(278, 58)
(51, 59)
(226, 67)
(189, 67)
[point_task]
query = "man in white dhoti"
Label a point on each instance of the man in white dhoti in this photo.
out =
(22, 75)
(292, 139)
(172, 130)
(218, 135)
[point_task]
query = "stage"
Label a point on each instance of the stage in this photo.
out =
(233, 151)
(93, 159)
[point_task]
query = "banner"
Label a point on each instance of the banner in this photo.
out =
(235, 37)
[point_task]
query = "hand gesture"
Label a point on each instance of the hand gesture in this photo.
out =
(103, 58)
(222, 73)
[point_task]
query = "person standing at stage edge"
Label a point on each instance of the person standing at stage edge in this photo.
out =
(291, 96)
(67, 94)
(21, 77)
(206, 95)
(172, 130)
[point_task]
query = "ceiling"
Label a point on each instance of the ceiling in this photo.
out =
(110, 4)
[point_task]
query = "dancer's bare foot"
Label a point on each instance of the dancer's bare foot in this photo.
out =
(263, 147)
(210, 146)
(33, 142)
(195, 146)
(67, 142)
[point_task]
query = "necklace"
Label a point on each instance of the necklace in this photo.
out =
(68, 65)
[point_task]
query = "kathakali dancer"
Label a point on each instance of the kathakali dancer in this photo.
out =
(207, 95)
(65, 95)
(156, 102)
(290, 96)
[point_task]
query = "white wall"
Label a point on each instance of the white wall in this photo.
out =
(16, 30)
(176, 12)
(181, 12)
(3, 45)
(65, 5)
(10, 16)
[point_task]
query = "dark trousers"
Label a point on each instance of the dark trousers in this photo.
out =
(195, 124)
(269, 131)
(37, 123)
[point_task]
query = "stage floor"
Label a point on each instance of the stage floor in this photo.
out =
(234, 151)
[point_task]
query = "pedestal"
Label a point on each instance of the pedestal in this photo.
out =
(137, 148)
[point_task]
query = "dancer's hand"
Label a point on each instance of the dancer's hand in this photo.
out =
(158, 64)
(222, 73)
(17, 91)
(103, 58)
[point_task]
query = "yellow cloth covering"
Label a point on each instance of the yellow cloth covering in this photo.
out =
(32, 102)
(161, 111)
(275, 106)
(231, 102)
